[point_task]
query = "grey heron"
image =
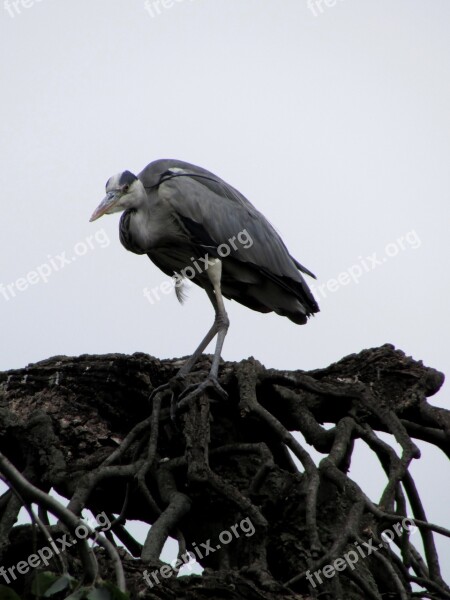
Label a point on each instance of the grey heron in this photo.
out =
(182, 215)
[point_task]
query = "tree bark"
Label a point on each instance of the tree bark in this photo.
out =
(222, 472)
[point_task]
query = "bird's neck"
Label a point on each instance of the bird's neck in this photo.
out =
(140, 229)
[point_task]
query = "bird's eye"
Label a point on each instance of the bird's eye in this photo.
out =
(125, 188)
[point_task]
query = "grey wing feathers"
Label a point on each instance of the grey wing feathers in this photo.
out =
(303, 269)
(216, 213)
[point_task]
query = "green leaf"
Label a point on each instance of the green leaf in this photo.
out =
(78, 594)
(42, 582)
(7, 593)
(116, 594)
(62, 583)
(99, 593)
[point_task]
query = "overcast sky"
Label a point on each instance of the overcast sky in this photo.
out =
(333, 118)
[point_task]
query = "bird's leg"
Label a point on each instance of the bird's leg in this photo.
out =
(174, 386)
(220, 327)
(189, 364)
(222, 323)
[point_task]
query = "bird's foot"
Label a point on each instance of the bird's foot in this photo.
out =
(195, 390)
(172, 389)
(180, 395)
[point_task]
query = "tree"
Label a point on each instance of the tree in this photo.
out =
(221, 473)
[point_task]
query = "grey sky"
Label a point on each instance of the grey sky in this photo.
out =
(333, 120)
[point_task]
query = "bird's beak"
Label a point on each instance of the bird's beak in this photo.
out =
(105, 205)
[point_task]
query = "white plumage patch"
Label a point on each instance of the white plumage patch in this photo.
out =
(180, 288)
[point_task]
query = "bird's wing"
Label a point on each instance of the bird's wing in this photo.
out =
(215, 213)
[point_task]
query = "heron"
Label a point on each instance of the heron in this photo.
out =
(183, 216)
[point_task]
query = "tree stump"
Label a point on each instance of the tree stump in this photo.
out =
(220, 478)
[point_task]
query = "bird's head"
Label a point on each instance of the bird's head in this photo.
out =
(123, 191)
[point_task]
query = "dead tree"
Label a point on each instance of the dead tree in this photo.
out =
(87, 428)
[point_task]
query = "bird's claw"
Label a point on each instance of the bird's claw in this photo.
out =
(195, 390)
(174, 385)
(159, 390)
(171, 389)
(180, 398)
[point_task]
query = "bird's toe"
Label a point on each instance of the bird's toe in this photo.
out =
(195, 390)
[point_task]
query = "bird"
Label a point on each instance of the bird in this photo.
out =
(194, 225)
